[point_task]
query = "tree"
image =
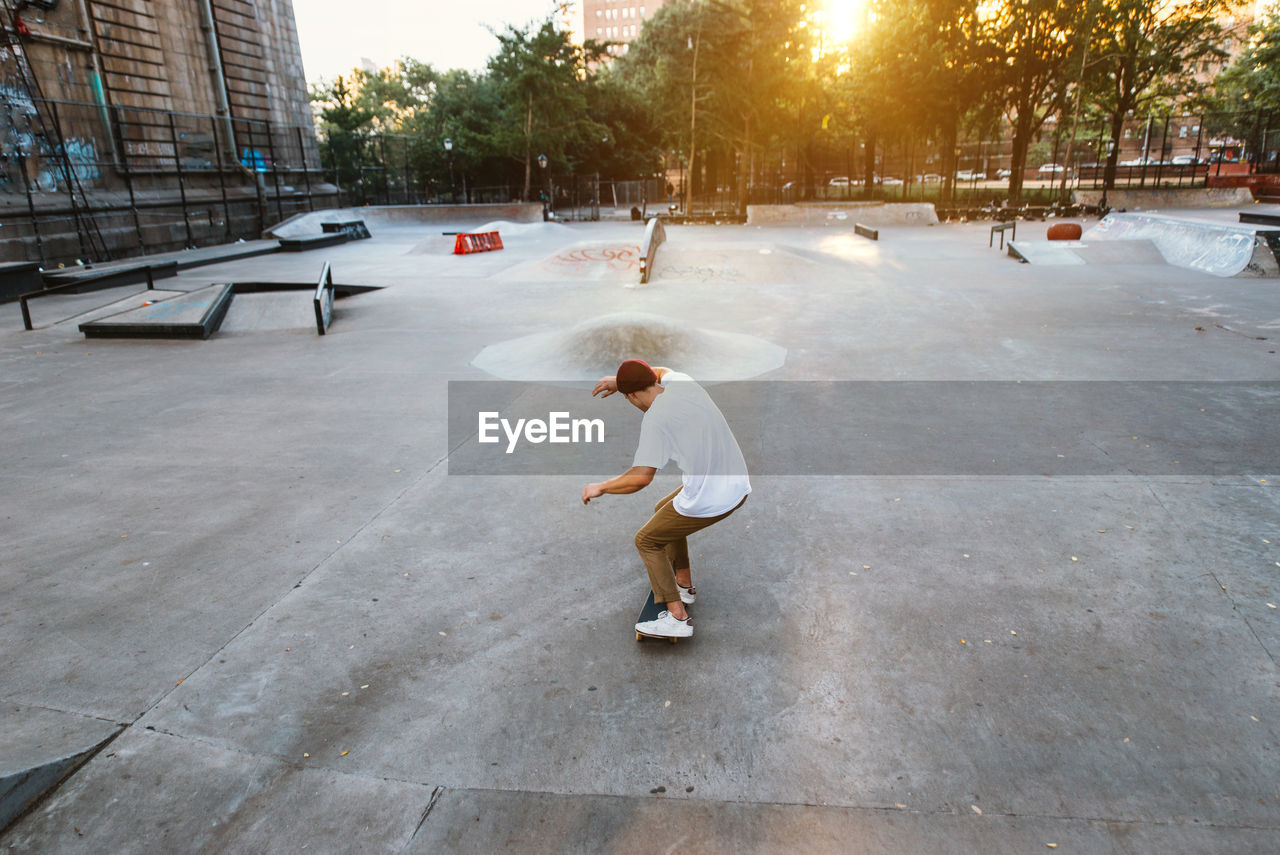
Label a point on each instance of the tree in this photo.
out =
(718, 76)
(541, 77)
(1148, 51)
(930, 63)
(342, 118)
(1042, 40)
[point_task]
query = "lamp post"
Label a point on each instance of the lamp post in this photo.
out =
(448, 153)
(546, 197)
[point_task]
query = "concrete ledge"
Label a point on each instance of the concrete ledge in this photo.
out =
(303, 243)
(1167, 197)
(843, 214)
(42, 747)
(77, 280)
(18, 278)
(194, 315)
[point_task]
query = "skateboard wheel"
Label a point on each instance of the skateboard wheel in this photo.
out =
(639, 637)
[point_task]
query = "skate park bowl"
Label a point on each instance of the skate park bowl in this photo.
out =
(596, 347)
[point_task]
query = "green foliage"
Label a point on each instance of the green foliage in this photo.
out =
(1148, 54)
(1252, 82)
(729, 90)
(724, 78)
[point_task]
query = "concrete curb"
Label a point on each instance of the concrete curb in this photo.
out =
(843, 214)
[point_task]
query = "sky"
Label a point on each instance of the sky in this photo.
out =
(338, 35)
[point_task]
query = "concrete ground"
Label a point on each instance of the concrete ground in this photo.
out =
(247, 559)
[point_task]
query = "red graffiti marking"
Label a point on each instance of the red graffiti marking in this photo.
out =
(617, 257)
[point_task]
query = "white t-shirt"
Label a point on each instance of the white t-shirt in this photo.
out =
(685, 425)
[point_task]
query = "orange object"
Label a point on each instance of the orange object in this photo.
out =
(465, 243)
(1065, 231)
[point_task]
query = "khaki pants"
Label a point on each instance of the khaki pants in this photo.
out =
(664, 547)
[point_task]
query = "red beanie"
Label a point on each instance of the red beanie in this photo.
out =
(634, 375)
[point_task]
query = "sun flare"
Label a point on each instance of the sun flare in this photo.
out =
(841, 18)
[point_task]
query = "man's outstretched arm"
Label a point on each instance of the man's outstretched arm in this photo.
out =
(633, 480)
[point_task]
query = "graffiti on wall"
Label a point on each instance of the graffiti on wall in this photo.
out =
(30, 158)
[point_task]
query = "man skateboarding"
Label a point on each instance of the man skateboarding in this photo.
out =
(680, 423)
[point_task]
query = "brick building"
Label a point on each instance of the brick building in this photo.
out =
(616, 20)
(142, 125)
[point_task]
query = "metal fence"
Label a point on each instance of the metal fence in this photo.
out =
(94, 182)
(1175, 150)
(375, 169)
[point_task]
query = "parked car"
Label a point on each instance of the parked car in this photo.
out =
(890, 181)
(1050, 169)
(839, 181)
(1185, 160)
(929, 178)
(1003, 173)
(970, 175)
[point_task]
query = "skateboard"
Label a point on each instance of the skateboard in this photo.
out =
(651, 611)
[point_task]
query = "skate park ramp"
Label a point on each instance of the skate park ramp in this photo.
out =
(835, 255)
(1222, 249)
(515, 234)
(43, 746)
(377, 217)
(194, 314)
(596, 347)
(602, 260)
(1061, 252)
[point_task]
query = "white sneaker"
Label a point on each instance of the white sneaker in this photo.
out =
(687, 596)
(666, 626)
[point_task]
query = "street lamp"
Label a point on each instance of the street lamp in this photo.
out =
(546, 198)
(448, 151)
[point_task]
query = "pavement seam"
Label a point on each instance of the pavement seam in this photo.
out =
(77, 713)
(875, 809)
(1222, 589)
(431, 803)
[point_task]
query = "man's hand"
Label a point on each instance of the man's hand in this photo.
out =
(592, 491)
(605, 387)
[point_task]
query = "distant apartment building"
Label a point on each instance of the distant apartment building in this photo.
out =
(616, 20)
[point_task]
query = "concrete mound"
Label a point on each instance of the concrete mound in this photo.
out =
(595, 348)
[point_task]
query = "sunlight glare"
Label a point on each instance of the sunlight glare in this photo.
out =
(841, 18)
